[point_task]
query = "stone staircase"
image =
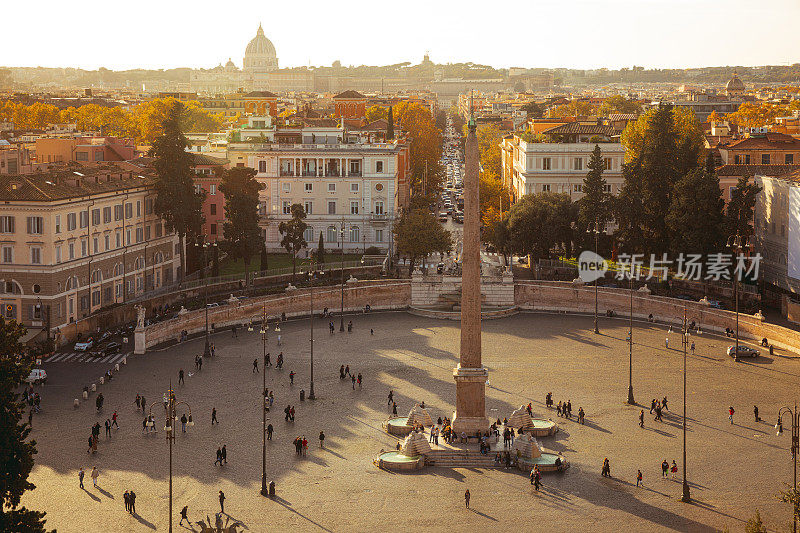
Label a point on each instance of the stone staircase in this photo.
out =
(459, 459)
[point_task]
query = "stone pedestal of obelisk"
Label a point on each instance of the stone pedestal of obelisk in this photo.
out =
(470, 375)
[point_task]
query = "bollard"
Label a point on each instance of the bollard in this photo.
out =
(76, 402)
(85, 395)
(94, 387)
(271, 489)
(116, 367)
(125, 360)
(102, 380)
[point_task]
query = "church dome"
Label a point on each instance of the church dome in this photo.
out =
(260, 45)
(735, 84)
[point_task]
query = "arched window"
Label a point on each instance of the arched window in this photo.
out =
(137, 265)
(332, 237)
(158, 257)
(97, 276)
(119, 269)
(72, 283)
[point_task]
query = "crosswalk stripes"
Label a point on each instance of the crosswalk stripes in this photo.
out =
(84, 357)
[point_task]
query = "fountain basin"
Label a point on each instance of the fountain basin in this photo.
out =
(397, 462)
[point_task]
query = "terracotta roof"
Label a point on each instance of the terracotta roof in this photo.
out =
(350, 94)
(203, 159)
(622, 116)
(59, 185)
(260, 94)
(766, 141)
(574, 128)
(376, 125)
(738, 171)
(792, 176)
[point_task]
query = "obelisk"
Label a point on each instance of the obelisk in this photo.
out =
(470, 375)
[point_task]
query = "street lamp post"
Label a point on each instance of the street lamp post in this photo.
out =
(264, 330)
(311, 274)
(596, 231)
(205, 246)
(795, 444)
(686, 496)
(170, 404)
(631, 401)
(341, 273)
(737, 243)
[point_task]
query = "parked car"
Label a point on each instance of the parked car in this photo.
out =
(37, 375)
(744, 351)
(443, 216)
(82, 346)
(715, 304)
(111, 348)
(104, 336)
(212, 304)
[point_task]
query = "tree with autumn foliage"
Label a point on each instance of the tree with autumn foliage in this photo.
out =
(575, 108)
(619, 104)
(417, 122)
(376, 112)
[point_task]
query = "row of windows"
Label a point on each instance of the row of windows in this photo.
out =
(564, 187)
(333, 235)
(766, 159)
(309, 207)
(35, 224)
(577, 163)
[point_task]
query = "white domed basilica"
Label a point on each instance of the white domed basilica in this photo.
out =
(259, 59)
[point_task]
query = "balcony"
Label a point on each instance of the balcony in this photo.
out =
(354, 174)
(287, 173)
(376, 217)
(309, 174)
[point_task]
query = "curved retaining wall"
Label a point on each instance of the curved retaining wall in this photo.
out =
(528, 295)
(379, 295)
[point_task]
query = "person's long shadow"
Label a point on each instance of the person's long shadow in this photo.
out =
(92, 496)
(143, 521)
(104, 492)
(658, 431)
(590, 424)
(330, 451)
(288, 506)
(493, 519)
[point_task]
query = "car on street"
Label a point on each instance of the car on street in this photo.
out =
(82, 346)
(111, 348)
(443, 216)
(37, 375)
(744, 351)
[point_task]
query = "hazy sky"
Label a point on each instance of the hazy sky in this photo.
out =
(529, 33)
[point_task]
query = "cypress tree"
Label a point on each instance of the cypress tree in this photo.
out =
(390, 127)
(320, 251)
(594, 204)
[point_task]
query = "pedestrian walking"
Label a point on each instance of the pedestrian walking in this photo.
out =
(341, 372)
(108, 428)
(606, 471)
(126, 497)
(664, 468)
(353, 379)
(359, 380)
(291, 377)
(94, 475)
(305, 446)
(279, 362)
(114, 420)
(144, 404)
(267, 362)
(674, 469)
(322, 439)
(371, 331)
(269, 432)
(233, 331)
(199, 363)
(183, 422)
(391, 398)
(214, 416)
(666, 342)
(81, 473)
(138, 401)
(652, 405)
(347, 370)
(180, 376)
(221, 502)
(291, 413)
(664, 403)
(224, 454)
(730, 414)
(255, 366)
(466, 498)
(641, 418)
(132, 507)
(755, 413)
(394, 408)
(184, 513)
(692, 347)
(639, 477)
(219, 457)
(286, 412)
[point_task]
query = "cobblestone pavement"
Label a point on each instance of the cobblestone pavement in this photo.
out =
(734, 468)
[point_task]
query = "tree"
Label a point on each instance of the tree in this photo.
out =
(755, 525)
(426, 146)
(575, 108)
(16, 451)
(489, 138)
(240, 229)
(619, 104)
(320, 258)
(696, 218)
(390, 126)
(177, 202)
(264, 257)
(376, 112)
(533, 110)
(594, 206)
(293, 234)
(538, 223)
(790, 495)
(739, 213)
(418, 234)
(662, 146)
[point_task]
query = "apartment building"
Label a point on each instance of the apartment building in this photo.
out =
(339, 181)
(777, 238)
(560, 165)
(73, 241)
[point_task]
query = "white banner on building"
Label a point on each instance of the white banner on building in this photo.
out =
(793, 259)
